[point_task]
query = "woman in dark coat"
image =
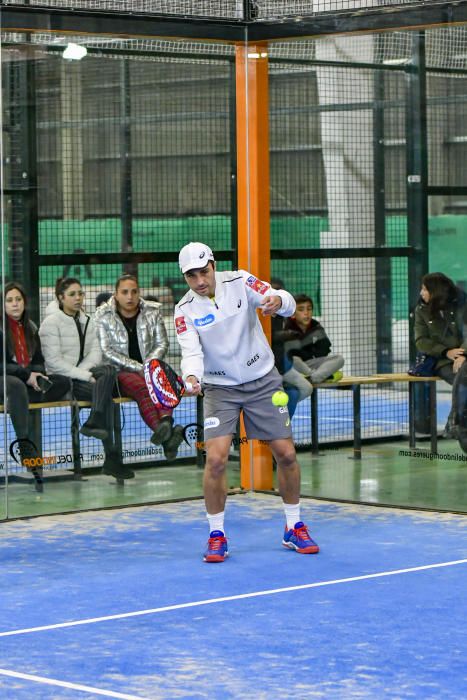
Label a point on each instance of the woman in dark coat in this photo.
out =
(440, 331)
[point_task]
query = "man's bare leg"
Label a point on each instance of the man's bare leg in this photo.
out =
(215, 495)
(215, 481)
(288, 469)
(288, 477)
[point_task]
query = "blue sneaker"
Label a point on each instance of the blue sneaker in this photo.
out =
(217, 549)
(298, 538)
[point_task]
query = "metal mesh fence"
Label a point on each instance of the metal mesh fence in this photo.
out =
(162, 127)
(445, 48)
(142, 49)
(223, 9)
(447, 113)
(132, 151)
(278, 9)
(132, 156)
(340, 145)
(335, 130)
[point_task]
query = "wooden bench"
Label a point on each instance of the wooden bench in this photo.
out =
(74, 406)
(354, 385)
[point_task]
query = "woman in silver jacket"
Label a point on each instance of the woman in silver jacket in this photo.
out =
(131, 331)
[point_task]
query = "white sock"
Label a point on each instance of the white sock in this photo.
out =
(216, 522)
(292, 514)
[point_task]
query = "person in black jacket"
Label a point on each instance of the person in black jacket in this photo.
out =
(26, 378)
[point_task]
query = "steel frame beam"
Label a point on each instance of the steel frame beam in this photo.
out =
(29, 19)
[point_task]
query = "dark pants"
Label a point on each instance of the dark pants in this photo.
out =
(20, 395)
(458, 381)
(99, 394)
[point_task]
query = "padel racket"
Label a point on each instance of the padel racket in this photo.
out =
(165, 387)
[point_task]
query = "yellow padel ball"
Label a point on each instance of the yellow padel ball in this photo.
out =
(280, 398)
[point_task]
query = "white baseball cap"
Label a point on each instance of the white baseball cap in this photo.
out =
(194, 256)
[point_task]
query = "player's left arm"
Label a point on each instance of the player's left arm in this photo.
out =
(272, 301)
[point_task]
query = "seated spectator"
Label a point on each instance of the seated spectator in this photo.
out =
(440, 332)
(131, 331)
(71, 347)
(307, 346)
(26, 378)
(102, 297)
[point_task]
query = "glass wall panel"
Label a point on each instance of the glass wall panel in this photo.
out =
(4, 464)
(347, 126)
(117, 153)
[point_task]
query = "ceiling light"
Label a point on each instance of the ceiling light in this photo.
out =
(75, 52)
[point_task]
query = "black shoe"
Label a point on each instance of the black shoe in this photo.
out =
(171, 445)
(38, 482)
(163, 431)
(118, 470)
(94, 428)
(450, 431)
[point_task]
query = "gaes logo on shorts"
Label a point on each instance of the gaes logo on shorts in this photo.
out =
(211, 422)
(205, 321)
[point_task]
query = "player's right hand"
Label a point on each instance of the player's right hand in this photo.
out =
(192, 386)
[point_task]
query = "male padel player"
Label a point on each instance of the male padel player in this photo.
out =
(225, 349)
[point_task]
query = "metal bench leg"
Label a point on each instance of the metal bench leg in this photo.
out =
(411, 414)
(433, 418)
(117, 429)
(75, 445)
(36, 423)
(357, 422)
(314, 422)
(117, 435)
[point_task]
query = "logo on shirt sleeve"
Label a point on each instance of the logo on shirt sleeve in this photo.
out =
(180, 324)
(257, 285)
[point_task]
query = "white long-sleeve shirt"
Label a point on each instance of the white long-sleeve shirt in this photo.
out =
(221, 338)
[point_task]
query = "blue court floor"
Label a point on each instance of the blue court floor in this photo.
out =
(119, 604)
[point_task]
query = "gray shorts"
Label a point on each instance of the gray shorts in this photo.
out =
(263, 420)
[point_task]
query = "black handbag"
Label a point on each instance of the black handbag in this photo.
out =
(424, 365)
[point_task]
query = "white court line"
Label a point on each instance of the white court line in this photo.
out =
(225, 599)
(72, 686)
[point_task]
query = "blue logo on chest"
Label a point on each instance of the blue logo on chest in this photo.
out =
(204, 321)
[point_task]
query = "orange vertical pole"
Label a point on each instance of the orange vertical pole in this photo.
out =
(253, 211)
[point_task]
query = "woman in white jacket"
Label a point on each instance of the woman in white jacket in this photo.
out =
(69, 342)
